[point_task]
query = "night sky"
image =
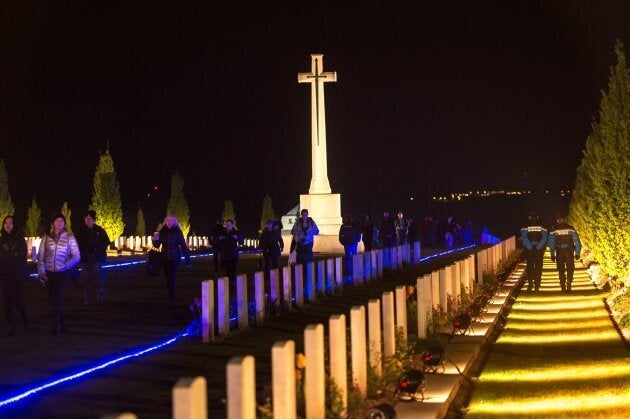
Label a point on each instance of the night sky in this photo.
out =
(430, 98)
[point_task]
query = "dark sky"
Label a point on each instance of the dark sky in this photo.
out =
(429, 97)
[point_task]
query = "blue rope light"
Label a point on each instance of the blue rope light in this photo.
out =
(424, 259)
(64, 379)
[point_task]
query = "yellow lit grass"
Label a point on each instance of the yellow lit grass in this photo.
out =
(559, 356)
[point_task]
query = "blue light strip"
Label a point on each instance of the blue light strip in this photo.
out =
(424, 259)
(21, 396)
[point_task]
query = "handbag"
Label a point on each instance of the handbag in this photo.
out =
(154, 259)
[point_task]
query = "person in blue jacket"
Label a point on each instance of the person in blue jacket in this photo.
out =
(534, 237)
(564, 245)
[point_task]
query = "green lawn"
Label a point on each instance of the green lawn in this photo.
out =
(559, 357)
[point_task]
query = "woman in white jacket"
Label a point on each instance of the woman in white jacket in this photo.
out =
(58, 255)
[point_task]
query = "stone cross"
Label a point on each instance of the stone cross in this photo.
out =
(317, 77)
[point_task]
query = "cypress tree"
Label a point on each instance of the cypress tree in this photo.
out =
(6, 204)
(33, 220)
(600, 204)
(267, 211)
(106, 197)
(67, 212)
(140, 224)
(228, 211)
(177, 204)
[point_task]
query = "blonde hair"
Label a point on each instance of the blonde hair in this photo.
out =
(176, 224)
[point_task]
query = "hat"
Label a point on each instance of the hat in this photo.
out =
(57, 215)
(91, 213)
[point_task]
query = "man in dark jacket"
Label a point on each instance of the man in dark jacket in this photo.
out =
(13, 272)
(271, 245)
(349, 236)
(534, 237)
(564, 245)
(367, 232)
(217, 231)
(229, 242)
(173, 243)
(93, 242)
(402, 225)
(387, 231)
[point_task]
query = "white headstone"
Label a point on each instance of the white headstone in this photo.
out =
(223, 291)
(337, 354)
(374, 335)
(190, 399)
(241, 388)
(259, 296)
(283, 379)
(242, 302)
(359, 350)
(207, 311)
(314, 375)
(389, 325)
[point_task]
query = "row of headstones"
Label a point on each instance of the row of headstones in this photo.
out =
(489, 258)
(146, 242)
(136, 243)
(288, 286)
(384, 317)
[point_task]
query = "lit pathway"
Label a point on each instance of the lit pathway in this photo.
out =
(559, 356)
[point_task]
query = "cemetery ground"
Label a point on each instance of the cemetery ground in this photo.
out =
(134, 316)
(558, 356)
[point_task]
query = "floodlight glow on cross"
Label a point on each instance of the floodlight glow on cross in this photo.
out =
(101, 366)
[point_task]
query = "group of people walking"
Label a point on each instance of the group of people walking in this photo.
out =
(63, 256)
(564, 245)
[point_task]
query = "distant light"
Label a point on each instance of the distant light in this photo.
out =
(155, 188)
(411, 198)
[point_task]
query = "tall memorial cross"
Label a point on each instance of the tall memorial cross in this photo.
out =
(317, 77)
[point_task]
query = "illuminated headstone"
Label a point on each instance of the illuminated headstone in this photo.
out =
(389, 324)
(259, 296)
(314, 375)
(207, 311)
(298, 274)
(374, 335)
(330, 275)
(283, 379)
(274, 285)
(338, 273)
(337, 354)
(401, 309)
(286, 285)
(358, 349)
(223, 292)
(242, 301)
(421, 299)
(190, 398)
(241, 388)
